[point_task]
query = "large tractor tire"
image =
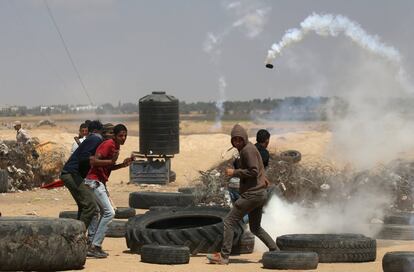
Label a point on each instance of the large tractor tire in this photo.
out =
(36, 243)
(199, 228)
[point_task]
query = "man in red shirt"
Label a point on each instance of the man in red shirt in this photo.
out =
(102, 164)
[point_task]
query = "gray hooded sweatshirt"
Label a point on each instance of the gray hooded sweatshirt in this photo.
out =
(251, 172)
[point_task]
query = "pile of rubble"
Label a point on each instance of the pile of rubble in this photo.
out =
(311, 184)
(31, 165)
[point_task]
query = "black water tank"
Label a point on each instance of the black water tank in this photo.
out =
(159, 124)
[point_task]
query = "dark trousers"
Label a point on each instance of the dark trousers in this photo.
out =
(82, 195)
(250, 203)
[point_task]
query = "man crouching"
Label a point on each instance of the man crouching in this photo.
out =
(253, 195)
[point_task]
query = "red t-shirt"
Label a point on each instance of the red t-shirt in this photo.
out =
(106, 151)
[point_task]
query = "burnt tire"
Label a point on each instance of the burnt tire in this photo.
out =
(398, 261)
(396, 232)
(38, 243)
(199, 228)
(124, 212)
(69, 214)
(290, 156)
(4, 181)
(290, 260)
(245, 245)
(157, 254)
(332, 248)
(144, 200)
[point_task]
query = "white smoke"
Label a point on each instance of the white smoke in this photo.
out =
(354, 216)
(333, 25)
(375, 128)
(220, 102)
(250, 16)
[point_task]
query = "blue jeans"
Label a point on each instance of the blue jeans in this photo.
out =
(101, 220)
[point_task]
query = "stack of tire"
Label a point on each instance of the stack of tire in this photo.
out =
(305, 251)
(41, 244)
(397, 226)
(117, 228)
(181, 231)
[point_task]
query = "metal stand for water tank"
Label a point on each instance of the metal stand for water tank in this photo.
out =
(151, 169)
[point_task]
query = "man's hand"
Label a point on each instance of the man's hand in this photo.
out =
(229, 172)
(127, 161)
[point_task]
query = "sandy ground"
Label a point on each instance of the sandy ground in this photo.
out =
(197, 152)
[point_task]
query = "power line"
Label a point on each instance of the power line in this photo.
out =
(31, 36)
(67, 50)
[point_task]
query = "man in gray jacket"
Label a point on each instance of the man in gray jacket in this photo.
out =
(253, 196)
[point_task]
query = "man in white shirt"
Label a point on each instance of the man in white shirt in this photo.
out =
(83, 132)
(22, 137)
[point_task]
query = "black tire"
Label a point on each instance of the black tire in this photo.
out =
(124, 212)
(144, 200)
(157, 254)
(187, 190)
(4, 181)
(199, 228)
(332, 248)
(116, 229)
(38, 243)
(173, 176)
(398, 261)
(291, 156)
(399, 219)
(245, 245)
(69, 214)
(396, 232)
(290, 260)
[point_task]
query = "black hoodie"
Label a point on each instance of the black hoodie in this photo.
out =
(251, 172)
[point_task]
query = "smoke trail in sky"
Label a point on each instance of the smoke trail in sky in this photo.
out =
(250, 17)
(220, 102)
(333, 25)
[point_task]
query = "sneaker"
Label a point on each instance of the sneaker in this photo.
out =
(100, 250)
(216, 258)
(95, 253)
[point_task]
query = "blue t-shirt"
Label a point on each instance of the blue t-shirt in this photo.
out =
(78, 162)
